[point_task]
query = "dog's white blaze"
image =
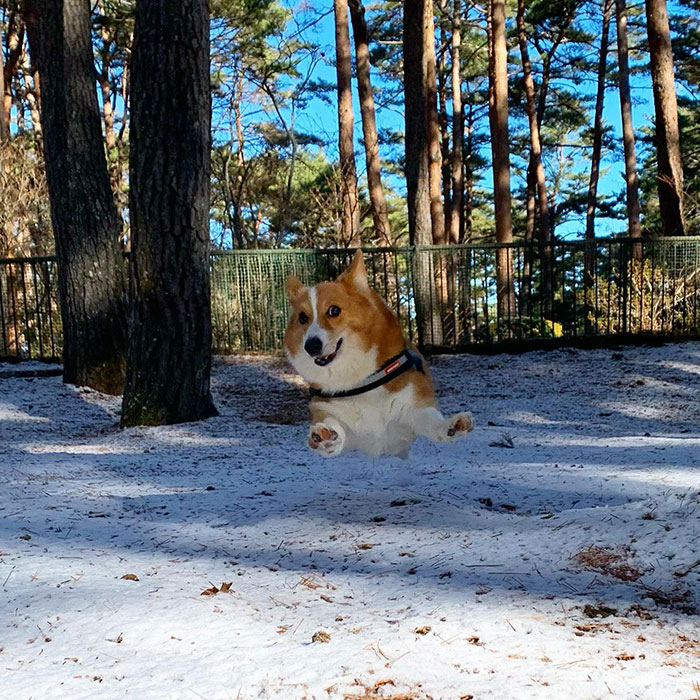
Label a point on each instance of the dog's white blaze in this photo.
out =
(314, 330)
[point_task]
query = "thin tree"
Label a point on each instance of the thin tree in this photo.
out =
(535, 144)
(4, 123)
(589, 250)
(668, 152)
(360, 34)
(343, 66)
(631, 178)
(455, 214)
(437, 212)
(569, 11)
(169, 361)
(416, 116)
(498, 113)
(598, 122)
(420, 231)
(91, 279)
(14, 44)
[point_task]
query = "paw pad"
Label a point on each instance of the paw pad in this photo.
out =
(325, 440)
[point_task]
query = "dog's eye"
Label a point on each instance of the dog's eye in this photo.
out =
(303, 318)
(334, 311)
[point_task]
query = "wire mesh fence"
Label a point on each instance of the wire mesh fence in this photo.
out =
(455, 298)
(30, 320)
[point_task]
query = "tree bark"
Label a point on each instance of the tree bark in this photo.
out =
(369, 126)
(631, 178)
(589, 251)
(455, 212)
(416, 115)
(445, 158)
(4, 122)
(33, 94)
(598, 123)
(14, 42)
(531, 177)
(343, 65)
(498, 111)
(420, 222)
(437, 212)
(670, 166)
(535, 145)
(465, 232)
(91, 279)
(169, 361)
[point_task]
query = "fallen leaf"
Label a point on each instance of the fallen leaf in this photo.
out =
(598, 611)
(422, 630)
(365, 545)
(210, 591)
(130, 577)
(226, 587)
(321, 636)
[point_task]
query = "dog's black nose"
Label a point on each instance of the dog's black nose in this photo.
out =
(313, 346)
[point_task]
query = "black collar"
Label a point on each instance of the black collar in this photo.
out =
(392, 368)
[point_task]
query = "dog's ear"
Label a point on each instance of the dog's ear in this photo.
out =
(356, 274)
(294, 287)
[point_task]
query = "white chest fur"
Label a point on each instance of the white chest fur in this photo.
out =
(375, 422)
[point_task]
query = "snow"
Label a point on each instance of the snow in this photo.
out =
(471, 569)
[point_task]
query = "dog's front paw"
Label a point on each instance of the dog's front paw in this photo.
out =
(456, 426)
(326, 440)
(460, 424)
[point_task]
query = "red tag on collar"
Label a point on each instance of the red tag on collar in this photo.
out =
(392, 367)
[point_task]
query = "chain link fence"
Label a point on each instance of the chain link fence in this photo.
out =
(449, 298)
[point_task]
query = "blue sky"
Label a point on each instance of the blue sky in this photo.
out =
(321, 117)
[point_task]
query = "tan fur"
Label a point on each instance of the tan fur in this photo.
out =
(386, 419)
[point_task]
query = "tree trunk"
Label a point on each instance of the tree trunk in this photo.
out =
(33, 94)
(535, 146)
(4, 122)
(455, 211)
(420, 229)
(631, 178)
(437, 213)
(589, 251)
(670, 166)
(169, 362)
(14, 42)
(598, 123)
(91, 279)
(416, 115)
(343, 64)
(369, 126)
(465, 232)
(498, 111)
(445, 157)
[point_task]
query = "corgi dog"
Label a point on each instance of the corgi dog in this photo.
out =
(370, 390)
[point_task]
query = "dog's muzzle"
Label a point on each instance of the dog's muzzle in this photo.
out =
(323, 360)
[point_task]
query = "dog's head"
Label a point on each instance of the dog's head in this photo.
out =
(335, 328)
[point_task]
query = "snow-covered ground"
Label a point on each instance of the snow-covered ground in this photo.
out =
(565, 565)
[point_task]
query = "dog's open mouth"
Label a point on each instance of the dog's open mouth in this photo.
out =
(323, 360)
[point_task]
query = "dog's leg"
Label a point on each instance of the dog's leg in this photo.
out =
(327, 437)
(430, 423)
